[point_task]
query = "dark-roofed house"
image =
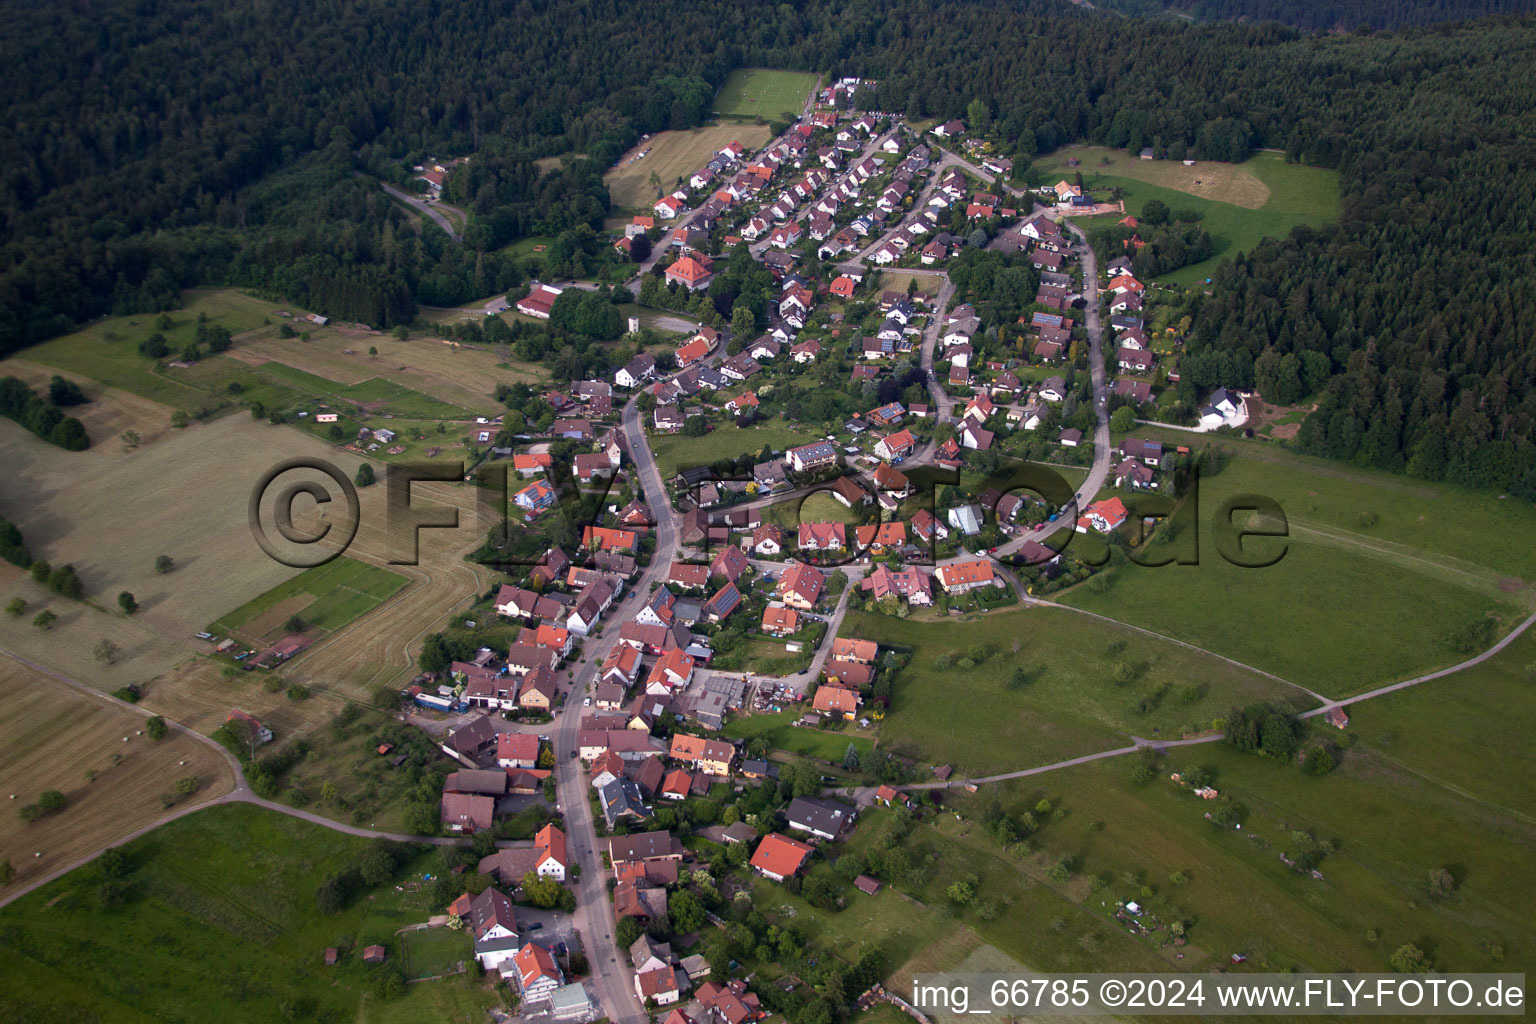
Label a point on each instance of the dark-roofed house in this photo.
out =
(826, 819)
(643, 848)
(468, 812)
(621, 800)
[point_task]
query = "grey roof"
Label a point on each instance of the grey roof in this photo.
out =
(621, 798)
(828, 817)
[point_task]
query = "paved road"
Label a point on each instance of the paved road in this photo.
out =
(426, 208)
(611, 980)
(943, 406)
(1098, 472)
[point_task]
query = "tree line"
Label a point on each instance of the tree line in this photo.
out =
(185, 144)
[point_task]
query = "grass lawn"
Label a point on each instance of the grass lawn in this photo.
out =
(1345, 608)
(676, 451)
(766, 656)
(107, 350)
(898, 280)
(431, 952)
(784, 734)
(1415, 791)
(1241, 203)
(327, 597)
(760, 92)
(1391, 822)
(819, 507)
(974, 718)
(235, 881)
(673, 156)
(451, 1001)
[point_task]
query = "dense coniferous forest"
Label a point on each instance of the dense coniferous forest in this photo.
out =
(1326, 15)
(157, 145)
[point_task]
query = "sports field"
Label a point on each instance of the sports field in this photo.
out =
(672, 157)
(95, 753)
(326, 597)
(434, 952)
(760, 92)
(1240, 204)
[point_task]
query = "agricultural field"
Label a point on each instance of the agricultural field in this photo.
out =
(673, 156)
(326, 598)
(95, 753)
(676, 451)
(1069, 700)
(110, 512)
(761, 92)
(235, 879)
(1263, 197)
(362, 374)
(1364, 616)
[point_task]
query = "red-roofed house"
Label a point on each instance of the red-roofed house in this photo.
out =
(1102, 516)
(539, 301)
(896, 446)
(517, 749)
(537, 975)
(690, 273)
(963, 576)
(550, 853)
(801, 586)
(779, 857)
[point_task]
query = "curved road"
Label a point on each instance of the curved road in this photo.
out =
(424, 207)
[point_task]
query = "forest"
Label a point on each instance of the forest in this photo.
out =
(159, 146)
(1325, 15)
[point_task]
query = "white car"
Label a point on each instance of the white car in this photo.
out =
(586, 702)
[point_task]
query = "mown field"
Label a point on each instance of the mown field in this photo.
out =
(326, 597)
(1070, 701)
(1240, 204)
(364, 375)
(677, 451)
(1350, 605)
(217, 921)
(673, 156)
(765, 93)
(110, 512)
(95, 753)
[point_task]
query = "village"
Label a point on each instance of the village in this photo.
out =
(637, 645)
